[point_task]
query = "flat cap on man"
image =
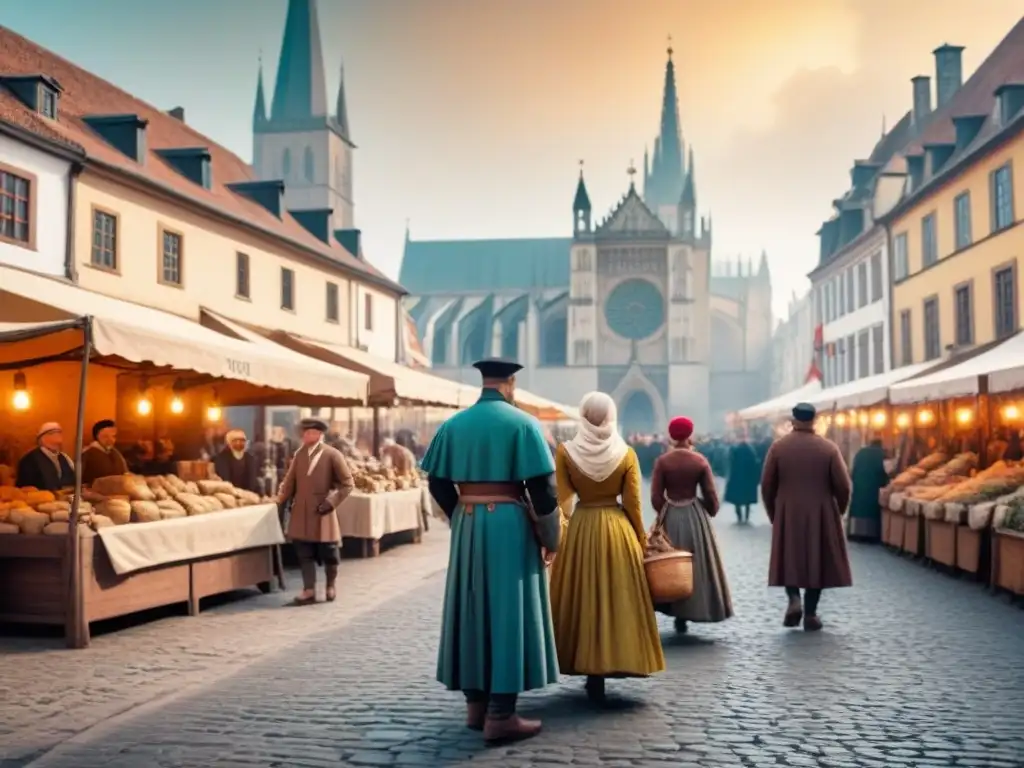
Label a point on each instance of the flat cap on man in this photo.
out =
(497, 369)
(318, 424)
(804, 412)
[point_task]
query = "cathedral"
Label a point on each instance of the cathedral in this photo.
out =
(631, 305)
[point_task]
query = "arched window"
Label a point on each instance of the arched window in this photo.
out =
(475, 345)
(309, 161)
(510, 341)
(286, 163)
(553, 341)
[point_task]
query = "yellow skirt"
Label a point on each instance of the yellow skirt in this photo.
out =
(604, 619)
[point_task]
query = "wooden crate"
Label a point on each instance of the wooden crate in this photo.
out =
(971, 549)
(940, 542)
(1008, 561)
(913, 535)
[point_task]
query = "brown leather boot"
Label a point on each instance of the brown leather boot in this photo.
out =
(812, 623)
(508, 729)
(476, 714)
(794, 613)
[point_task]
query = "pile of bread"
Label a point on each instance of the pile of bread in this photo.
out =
(128, 499)
(371, 476)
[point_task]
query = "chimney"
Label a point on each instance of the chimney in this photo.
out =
(178, 113)
(922, 85)
(948, 71)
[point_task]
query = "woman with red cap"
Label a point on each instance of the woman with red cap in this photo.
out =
(678, 475)
(604, 620)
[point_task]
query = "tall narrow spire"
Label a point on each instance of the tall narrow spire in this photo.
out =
(259, 111)
(667, 174)
(688, 197)
(300, 92)
(341, 108)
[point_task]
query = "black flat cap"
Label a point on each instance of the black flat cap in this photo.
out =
(496, 368)
(804, 412)
(318, 424)
(99, 426)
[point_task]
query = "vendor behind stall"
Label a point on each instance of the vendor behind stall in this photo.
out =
(101, 458)
(46, 466)
(401, 458)
(235, 464)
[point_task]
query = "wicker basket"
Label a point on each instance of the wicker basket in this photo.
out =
(669, 576)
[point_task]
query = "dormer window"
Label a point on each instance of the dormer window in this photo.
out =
(48, 102)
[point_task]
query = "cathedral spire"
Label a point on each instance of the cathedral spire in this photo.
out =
(671, 144)
(688, 197)
(341, 108)
(259, 112)
(300, 92)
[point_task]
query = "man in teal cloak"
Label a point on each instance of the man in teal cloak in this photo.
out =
(491, 472)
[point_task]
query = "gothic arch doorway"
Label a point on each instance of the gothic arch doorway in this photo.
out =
(637, 413)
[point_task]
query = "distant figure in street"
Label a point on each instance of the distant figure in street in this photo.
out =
(806, 489)
(604, 621)
(678, 475)
(868, 477)
(491, 473)
(744, 471)
(317, 481)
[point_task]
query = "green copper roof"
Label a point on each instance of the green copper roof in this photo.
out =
(300, 91)
(485, 266)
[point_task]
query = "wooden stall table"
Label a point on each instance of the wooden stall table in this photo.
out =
(139, 566)
(369, 517)
(1008, 560)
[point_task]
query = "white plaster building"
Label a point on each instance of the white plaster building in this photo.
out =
(35, 179)
(793, 346)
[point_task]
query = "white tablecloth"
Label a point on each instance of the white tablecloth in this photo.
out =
(145, 545)
(373, 515)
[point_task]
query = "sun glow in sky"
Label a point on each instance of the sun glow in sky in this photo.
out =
(471, 117)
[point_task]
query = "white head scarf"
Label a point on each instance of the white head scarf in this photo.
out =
(598, 447)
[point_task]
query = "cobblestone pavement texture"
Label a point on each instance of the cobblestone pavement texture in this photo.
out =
(913, 669)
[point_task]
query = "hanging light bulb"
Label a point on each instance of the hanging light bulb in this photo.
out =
(878, 419)
(144, 406)
(21, 399)
(1011, 412)
(903, 420)
(964, 416)
(177, 403)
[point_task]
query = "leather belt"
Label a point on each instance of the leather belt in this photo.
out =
(489, 495)
(611, 501)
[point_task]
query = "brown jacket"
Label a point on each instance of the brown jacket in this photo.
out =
(329, 479)
(678, 474)
(806, 489)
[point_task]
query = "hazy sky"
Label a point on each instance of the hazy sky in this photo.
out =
(471, 115)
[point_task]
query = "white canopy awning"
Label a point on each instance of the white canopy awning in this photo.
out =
(142, 334)
(781, 404)
(1003, 364)
(868, 391)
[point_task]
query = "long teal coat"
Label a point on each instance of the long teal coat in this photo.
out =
(496, 631)
(869, 477)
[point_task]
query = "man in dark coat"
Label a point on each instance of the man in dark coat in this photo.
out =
(744, 471)
(46, 467)
(869, 477)
(235, 464)
(806, 489)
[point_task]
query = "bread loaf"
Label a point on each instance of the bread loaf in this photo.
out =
(210, 487)
(246, 498)
(144, 512)
(117, 510)
(227, 500)
(56, 529)
(98, 521)
(32, 523)
(9, 528)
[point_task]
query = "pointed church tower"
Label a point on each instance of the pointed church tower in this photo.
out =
(581, 209)
(300, 142)
(664, 185)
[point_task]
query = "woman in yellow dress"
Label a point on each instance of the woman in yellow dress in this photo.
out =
(605, 624)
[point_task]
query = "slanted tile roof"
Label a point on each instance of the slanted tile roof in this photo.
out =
(87, 94)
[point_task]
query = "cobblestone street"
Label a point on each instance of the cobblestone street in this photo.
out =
(913, 668)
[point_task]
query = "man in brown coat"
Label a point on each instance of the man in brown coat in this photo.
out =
(805, 489)
(316, 483)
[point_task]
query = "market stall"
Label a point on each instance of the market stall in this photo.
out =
(58, 560)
